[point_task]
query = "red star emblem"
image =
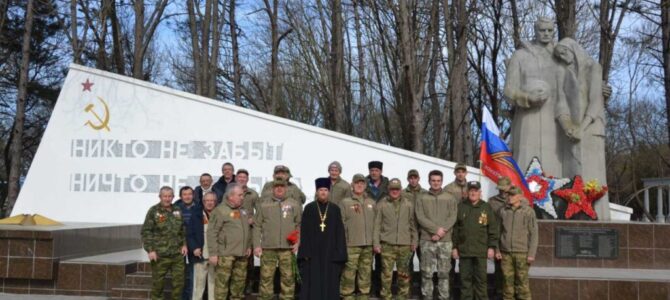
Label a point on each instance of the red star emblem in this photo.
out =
(577, 199)
(87, 85)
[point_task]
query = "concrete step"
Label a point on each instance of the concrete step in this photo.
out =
(139, 279)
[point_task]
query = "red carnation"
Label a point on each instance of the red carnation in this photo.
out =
(293, 237)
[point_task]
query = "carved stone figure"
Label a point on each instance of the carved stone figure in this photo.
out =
(531, 87)
(557, 94)
(580, 110)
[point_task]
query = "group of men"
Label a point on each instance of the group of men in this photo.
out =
(209, 236)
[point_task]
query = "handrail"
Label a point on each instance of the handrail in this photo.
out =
(635, 197)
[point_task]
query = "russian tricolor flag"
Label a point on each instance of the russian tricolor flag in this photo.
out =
(496, 158)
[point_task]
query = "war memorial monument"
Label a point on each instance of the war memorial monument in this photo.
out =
(112, 141)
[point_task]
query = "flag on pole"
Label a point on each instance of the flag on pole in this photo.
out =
(496, 158)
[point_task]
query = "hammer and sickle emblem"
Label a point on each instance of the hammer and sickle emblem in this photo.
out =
(103, 122)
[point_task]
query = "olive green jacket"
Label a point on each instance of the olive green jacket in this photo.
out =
(163, 231)
(519, 230)
(394, 222)
(412, 194)
(435, 210)
(292, 191)
(358, 216)
(476, 229)
(249, 202)
(497, 202)
(228, 231)
(457, 190)
(339, 190)
(274, 220)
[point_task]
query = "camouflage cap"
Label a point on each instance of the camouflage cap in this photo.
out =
(395, 184)
(474, 185)
(412, 172)
(504, 183)
(281, 168)
(279, 182)
(460, 166)
(515, 190)
(358, 177)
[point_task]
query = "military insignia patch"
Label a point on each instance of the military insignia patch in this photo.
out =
(235, 214)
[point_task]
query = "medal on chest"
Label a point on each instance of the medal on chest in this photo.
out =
(161, 217)
(285, 210)
(483, 219)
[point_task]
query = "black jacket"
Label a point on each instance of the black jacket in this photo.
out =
(220, 188)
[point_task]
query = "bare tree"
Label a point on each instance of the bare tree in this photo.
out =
(566, 17)
(365, 104)
(16, 147)
(516, 26)
(143, 33)
(611, 18)
(665, 39)
(237, 68)
(338, 84)
(272, 10)
(456, 19)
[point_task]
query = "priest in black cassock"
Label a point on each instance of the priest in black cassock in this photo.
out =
(323, 250)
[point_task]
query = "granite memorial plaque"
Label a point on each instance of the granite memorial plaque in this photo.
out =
(578, 242)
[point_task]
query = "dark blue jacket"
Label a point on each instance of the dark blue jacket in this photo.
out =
(192, 216)
(195, 234)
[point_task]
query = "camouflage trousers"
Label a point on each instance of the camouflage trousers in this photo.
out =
(515, 275)
(435, 257)
(359, 261)
(270, 261)
(400, 256)
(231, 274)
(159, 269)
(473, 278)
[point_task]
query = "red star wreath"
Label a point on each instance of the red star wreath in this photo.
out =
(540, 192)
(577, 200)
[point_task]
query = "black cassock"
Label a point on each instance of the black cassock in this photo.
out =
(321, 254)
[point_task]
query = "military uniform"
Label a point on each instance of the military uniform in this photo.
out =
(498, 202)
(395, 233)
(458, 189)
(163, 232)
(518, 241)
(249, 202)
(412, 194)
(251, 198)
(475, 232)
(292, 191)
(435, 209)
(376, 193)
(358, 213)
(229, 238)
(339, 190)
(275, 220)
